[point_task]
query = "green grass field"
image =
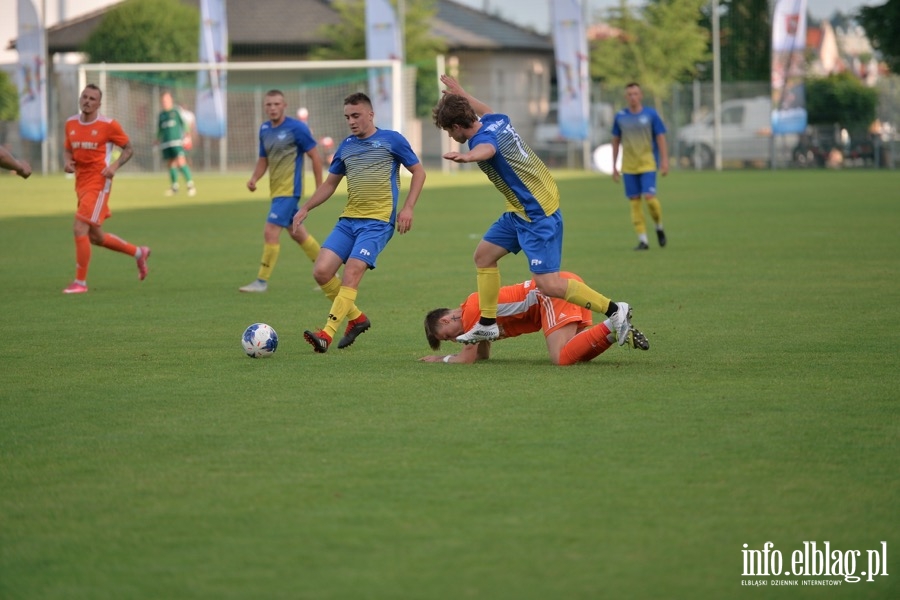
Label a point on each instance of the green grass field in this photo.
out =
(142, 455)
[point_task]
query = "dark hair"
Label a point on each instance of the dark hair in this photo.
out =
(453, 109)
(432, 320)
(94, 86)
(633, 84)
(358, 98)
(275, 93)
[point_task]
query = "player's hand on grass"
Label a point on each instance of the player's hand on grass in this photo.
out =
(431, 358)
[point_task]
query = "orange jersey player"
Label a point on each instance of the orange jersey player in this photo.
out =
(523, 309)
(89, 141)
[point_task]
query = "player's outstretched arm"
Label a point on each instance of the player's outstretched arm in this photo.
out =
(468, 355)
(8, 161)
(322, 193)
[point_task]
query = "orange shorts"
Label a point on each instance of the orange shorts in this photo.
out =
(556, 312)
(93, 204)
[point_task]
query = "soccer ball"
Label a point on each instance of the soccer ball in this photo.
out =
(259, 340)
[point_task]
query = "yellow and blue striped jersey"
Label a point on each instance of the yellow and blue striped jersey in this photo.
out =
(638, 131)
(516, 170)
(372, 168)
(283, 147)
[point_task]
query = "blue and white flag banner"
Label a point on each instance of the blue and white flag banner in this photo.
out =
(383, 42)
(572, 63)
(788, 67)
(31, 74)
(212, 115)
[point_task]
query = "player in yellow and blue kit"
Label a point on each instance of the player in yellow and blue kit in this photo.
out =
(370, 158)
(532, 222)
(282, 143)
(642, 135)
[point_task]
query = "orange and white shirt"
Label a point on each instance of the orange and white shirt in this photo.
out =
(523, 309)
(91, 145)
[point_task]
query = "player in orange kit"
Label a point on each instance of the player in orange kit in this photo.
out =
(524, 309)
(89, 141)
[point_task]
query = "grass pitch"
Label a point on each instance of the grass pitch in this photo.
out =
(142, 455)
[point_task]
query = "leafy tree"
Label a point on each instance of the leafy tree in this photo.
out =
(9, 104)
(745, 32)
(9, 98)
(146, 31)
(348, 41)
(882, 24)
(840, 98)
(660, 43)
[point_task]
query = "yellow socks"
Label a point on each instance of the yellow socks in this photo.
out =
(488, 291)
(311, 248)
(342, 304)
(331, 290)
(655, 210)
(269, 258)
(637, 217)
(582, 295)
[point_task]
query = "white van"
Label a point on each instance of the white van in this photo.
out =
(547, 138)
(746, 131)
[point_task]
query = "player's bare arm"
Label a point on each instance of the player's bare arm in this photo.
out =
(663, 154)
(453, 87)
(478, 153)
(316, 162)
(69, 165)
(8, 161)
(615, 149)
(405, 216)
(468, 355)
(262, 163)
(127, 152)
(322, 193)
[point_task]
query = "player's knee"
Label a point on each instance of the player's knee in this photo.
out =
(555, 287)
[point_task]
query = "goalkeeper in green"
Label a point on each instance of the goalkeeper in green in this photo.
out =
(170, 135)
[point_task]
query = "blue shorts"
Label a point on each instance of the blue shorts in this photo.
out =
(282, 211)
(640, 184)
(541, 240)
(363, 239)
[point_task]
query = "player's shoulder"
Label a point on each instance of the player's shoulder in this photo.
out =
(494, 118)
(389, 134)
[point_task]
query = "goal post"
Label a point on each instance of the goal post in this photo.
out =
(131, 95)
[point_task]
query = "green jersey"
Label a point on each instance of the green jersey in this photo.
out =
(170, 132)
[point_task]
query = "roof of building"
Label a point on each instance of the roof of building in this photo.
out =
(294, 27)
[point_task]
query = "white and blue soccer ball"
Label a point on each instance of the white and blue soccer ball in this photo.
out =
(259, 340)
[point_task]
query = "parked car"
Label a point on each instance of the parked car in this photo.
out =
(549, 141)
(746, 135)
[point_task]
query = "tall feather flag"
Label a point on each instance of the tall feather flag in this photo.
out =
(212, 115)
(788, 66)
(383, 42)
(570, 47)
(31, 74)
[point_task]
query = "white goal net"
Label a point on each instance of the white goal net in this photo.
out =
(131, 95)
